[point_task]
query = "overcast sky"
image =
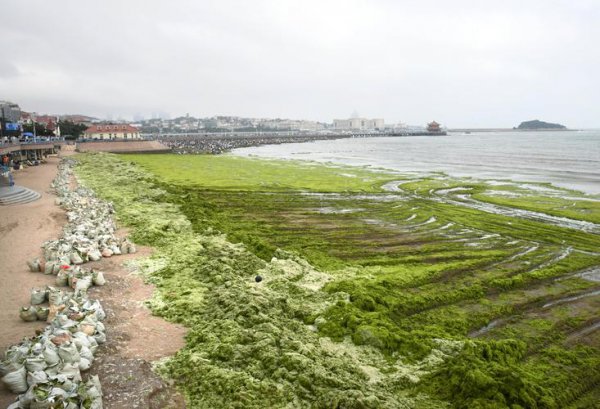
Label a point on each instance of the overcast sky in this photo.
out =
(460, 62)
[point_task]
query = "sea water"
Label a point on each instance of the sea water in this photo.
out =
(568, 159)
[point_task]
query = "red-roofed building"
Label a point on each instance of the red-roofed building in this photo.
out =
(48, 121)
(112, 131)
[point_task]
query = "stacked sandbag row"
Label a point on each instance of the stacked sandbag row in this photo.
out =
(75, 277)
(46, 369)
(89, 233)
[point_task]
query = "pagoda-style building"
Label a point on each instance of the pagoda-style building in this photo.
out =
(433, 127)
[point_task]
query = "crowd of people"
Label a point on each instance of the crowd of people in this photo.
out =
(10, 161)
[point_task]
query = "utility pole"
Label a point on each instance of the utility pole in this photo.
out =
(33, 119)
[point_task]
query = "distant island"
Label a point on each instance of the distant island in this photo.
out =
(536, 124)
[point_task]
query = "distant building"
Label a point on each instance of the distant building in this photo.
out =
(361, 124)
(434, 127)
(112, 131)
(78, 119)
(9, 111)
(48, 121)
(212, 123)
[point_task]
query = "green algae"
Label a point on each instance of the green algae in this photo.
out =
(248, 345)
(360, 292)
(237, 173)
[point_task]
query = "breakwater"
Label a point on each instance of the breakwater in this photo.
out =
(216, 143)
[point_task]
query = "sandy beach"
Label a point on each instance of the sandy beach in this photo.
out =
(23, 229)
(135, 337)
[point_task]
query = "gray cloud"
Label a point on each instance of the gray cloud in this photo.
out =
(464, 63)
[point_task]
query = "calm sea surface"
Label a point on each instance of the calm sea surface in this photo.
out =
(568, 159)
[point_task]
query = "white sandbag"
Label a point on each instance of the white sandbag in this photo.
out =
(62, 279)
(76, 258)
(95, 306)
(42, 313)
(37, 348)
(81, 340)
(54, 370)
(62, 381)
(49, 267)
(33, 378)
(72, 279)
(35, 363)
(38, 296)
(93, 344)
(59, 393)
(93, 389)
(94, 255)
(84, 364)
(86, 353)
(9, 366)
(42, 403)
(98, 278)
(82, 285)
(71, 371)
(55, 296)
(50, 355)
(84, 257)
(65, 322)
(50, 252)
(53, 311)
(100, 337)
(34, 265)
(68, 353)
(60, 337)
(16, 381)
(100, 327)
(28, 314)
(26, 398)
(64, 260)
(116, 250)
(87, 328)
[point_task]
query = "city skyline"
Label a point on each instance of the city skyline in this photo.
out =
(464, 65)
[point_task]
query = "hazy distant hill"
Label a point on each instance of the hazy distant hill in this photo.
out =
(536, 124)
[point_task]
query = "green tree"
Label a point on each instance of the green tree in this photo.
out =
(40, 129)
(71, 130)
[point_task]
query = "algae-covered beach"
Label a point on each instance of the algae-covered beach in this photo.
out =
(379, 290)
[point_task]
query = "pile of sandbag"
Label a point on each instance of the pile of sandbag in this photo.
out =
(75, 277)
(89, 233)
(46, 369)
